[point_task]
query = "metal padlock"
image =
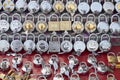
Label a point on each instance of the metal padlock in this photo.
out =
(103, 26)
(114, 26)
(111, 57)
(90, 25)
(33, 6)
(83, 7)
(46, 6)
(66, 45)
(8, 5)
(117, 7)
(92, 44)
(41, 25)
(42, 45)
(21, 5)
(96, 6)
(58, 6)
(16, 24)
(91, 59)
(1, 6)
(54, 44)
(65, 23)
(77, 25)
(108, 6)
(4, 22)
(79, 44)
(42, 78)
(111, 77)
(17, 59)
(29, 44)
(118, 57)
(5, 64)
(16, 44)
(74, 76)
(93, 76)
(5, 46)
(27, 67)
(58, 76)
(54, 24)
(28, 24)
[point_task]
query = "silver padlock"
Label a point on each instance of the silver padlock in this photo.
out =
(58, 76)
(66, 45)
(91, 59)
(16, 24)
(21, 5)
(29, 44)
(79, 44)
(115, 26)
(41, 78)
(4, 22)
(5, 64)
(1, 6)
(27, 67)
(111, 77)
(33, 6)
(93, 76)
(108, 6)
(46, 6)
(103, 26)
(16, 44)
(74, 76)
(54, 43)
(42, 45)
(4, 41)
(96, 6)
(54, 60)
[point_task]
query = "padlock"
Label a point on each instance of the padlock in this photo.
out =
(79, 44)
(28, 24)
(74, 76)
(117, 7)
(96, 6)
(33, 6)
(90, 25)
(93, 76)
(16, 24)
(58, 6)
(114, 26)
(16, 44)
(42, 78)
(65, 23)
(41, 25)
(5, 46)
(8, 5)
(118, 57)
(58, 76)
(53, 23)
(108, 6)
(2, 76)
(77, 25)
(103, 26)
(42, 45)
(5, 64)
(54, 39)
(111, 77)
(83, 7)
(29, 44)
(46, 6)
(111, 57)
(117, 66)
(21, 5)
(66, 45)
(1, 6)
(4, 22)
(91, 59)
(27, 67)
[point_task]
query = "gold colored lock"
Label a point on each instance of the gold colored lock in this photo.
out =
(90, 26)
(32, 79)
(117, 66)
(111, 57)
(71, 6)
(17, 77)
(110, 77)
(118, 57)
(28, 26)
(117, 7)
(2, 76)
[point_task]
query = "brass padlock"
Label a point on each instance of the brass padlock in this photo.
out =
(111, 57)
(111, 77)
(65, 23)
(118, 57)
(53, 23)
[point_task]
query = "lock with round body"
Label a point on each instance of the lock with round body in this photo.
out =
(74, 76)
(28, 25)
(90, 25)
(93, 76)
(79, 44)
(111, 57)
(16, 44)
(91, 59)
(41, 25)
(21, 5)
(4, 22)
(16, 24)
(33, 6)
(111, 77)
(58, 6)
(1, 6)
(103, 26)
(41, 78)
(4, 41)
(117, 7)
(5, 64)
(42, 45)
(108, 6)
(83, 7)
(8, 5)
(27, 67)
(17, 59)
(58, 76)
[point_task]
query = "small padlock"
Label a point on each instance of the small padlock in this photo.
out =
(91, 59)
(65, 23)
(74, 76)
(42, 78)
(5, 46)
(5, 64)
(41, 25)
(27, 67)
(93, 76)
(17, 59)
(111, 77)
(16, 24)
(111, 57)
(118, 57)
(4, 22)
(58, 76)
(42, 45)
(58, 6)
(90, 25)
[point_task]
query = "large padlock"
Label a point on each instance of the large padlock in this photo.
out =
(53, 23)
(118, 57)
(65, 23)
(54, 43)
(93, 76)
(111, 57)
(111, 77)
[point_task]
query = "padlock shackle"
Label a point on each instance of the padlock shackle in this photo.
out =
(101, 16)
(18, 16)
(5, 59)
(71, 57)
(41, 77)
(93, 74)
(78, 16)
(47, 65)
(5, 15)
(29, 15)
(59, 75)
(42, 35)
(53, 15)
(18, 35)
(111, 75)
(65, 15)
(37, 55)
(79, 36)
(111, 54)
(95, 35)
(115, 16)
(67, 35)
(89, 16)
(108, 0)
(29, 34)
(75, 74)
(103, 36)
(54, 35)
(54, 56)
(4, 34)
(101, 63)
(83, 1)
(42, 16)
